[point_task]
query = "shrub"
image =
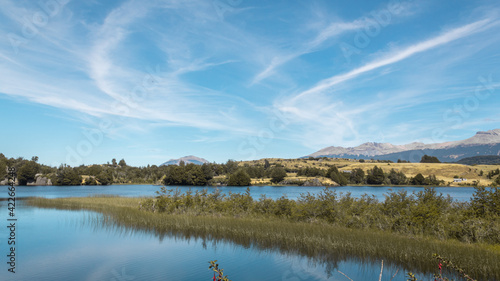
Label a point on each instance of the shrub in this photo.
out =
(239, 178)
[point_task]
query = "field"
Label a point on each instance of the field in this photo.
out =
(443, 171)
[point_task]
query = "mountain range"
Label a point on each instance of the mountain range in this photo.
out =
(482, 143)
(187, 159)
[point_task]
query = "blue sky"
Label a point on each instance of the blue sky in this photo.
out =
(83, 82)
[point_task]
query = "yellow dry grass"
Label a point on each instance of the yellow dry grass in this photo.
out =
(443, 171)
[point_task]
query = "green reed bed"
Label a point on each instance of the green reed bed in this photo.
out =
(327, 228)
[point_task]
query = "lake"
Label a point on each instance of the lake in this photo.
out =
(75, 245)
(274, 192)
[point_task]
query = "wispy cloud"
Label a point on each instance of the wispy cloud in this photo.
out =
(325, 33)
(324, 117)
(109, 82)
(399, 55)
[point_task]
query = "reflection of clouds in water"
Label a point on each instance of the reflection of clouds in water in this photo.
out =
(302, 269)
(122, 276)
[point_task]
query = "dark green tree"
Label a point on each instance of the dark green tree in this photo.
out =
(3, 169)
(429, 159)
(67, 176)
(189, 174)
(239, 178)
(375, 176)
(418, 180)
(208, 171)
(311, 172)
(94, 170)
(357, 176)
(266, 164)
(397, 178)
(27, 172)
(195, 175)
(231, 166)
(122, 163)
(432, 180)
(174, 175)
(105, 177)
(278, 174)
(334, 174)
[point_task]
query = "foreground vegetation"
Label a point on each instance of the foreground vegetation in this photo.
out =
(404, 229)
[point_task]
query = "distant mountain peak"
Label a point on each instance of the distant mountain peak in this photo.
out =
(187, 159)
(378, 150)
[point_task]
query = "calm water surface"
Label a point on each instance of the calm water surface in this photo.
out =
(70, 245)
(292, 192)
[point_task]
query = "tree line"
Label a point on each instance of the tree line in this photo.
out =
(374, 176)
(121, 173)
(229, 173)
(104, 174)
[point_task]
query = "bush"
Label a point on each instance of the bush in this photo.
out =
(278, 174)
(239, 178)
(429, 159)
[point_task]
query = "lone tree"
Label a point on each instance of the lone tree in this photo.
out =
(239, 178)
(278, 174)
(429, 159)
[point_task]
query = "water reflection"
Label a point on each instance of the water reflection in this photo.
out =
(300, 263)
(273, 192)
(82, 245)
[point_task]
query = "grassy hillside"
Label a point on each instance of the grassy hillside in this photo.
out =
(443, 171)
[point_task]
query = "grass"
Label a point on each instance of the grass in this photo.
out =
(443, 171)
(320, 241)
